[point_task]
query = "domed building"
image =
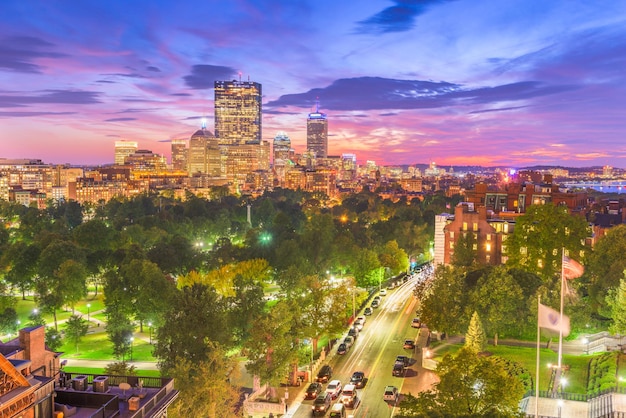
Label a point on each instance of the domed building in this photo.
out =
(204, 153)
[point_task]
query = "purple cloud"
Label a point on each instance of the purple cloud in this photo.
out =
(52, 96)
(31, 114)
(398, 18)
(204, 76)
(119, 119)
(18, 52)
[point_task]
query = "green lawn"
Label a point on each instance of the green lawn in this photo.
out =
(97, 370)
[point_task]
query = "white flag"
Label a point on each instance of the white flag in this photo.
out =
(550, 319)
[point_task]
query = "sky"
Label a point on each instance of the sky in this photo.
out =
(458, 82)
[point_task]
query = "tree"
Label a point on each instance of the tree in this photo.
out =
(54, 339)
(75, 329)
(606, 265)
(475, 338)
(538, 240)
(443, 307)
(393, 257)
(8, 321)
(469, 386)
(500, 302)
(203, 390)
(196, 314)
(616, 300)
(365, 266)
(464, 251)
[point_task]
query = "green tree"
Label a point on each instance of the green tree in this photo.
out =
(203, 390)
(464, 251)
(500, 302)
(54, 339)
(538, 240)
(469, 386)
(393, 257)
(365, 266)
(475, 338)
(75, 329)
(8, 321)
(443, 306)
(616, 300)
(606, 265)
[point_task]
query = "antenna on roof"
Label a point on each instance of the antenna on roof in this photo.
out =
(203, 123)
(317, 105)
(239, 76)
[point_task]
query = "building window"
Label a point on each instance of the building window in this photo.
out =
(464, 226)
(488, 237)
(475, 226)
(488, 247)
(487, 258)
(451, 234)
(476, 236)
(475, 247)
(503, 248)
(506, 228)
(451, 245)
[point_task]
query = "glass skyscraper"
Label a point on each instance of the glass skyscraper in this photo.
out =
(317, 133)
(237, 112)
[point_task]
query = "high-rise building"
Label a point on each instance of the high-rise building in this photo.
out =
(317, 133)
(179, 154)
(123, 149)
(282, 146)
(237, 112)
(204, 154)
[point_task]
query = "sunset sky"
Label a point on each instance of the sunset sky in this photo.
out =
(458, 82)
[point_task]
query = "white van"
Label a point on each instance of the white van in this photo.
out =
(338, 411)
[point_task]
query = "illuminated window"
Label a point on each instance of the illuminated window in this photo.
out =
(451, 245)
(464, 226)
(523, 251)
(475, 247)
(475, 236)
(488, 247)
(451, 234)
(566, 231)
(506, 228)
(488, 237)
(487, 258)
(503, 249)
(475, 226)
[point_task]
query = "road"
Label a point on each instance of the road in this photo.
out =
(374, 353)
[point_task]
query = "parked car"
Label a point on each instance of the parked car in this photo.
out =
(375, 303)
(358, 324)
(383, 292)
(353, 332)
(342, 349)
(368, 311)
(358, 379)
(334, 388)
(348, 341)
(313, 390)
(324, 374)
(416, 323)
(404, 359)
(398, 369)
(409, 345)
(321, 404)
(391, 394)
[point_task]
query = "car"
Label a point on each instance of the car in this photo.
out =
(325, 374)
(358, 324)
(416, 323)
(353, 332)
(313, 390)
(378, 298)
(404, 359)
(398, 369)
(338, 411)
(368, 311)
(390, 394)
(342, 349)
(375, 303)
(358, 379)
(349, 396)
(321, 404)
(409, 345)
(348, 341)
(383, 292)
(361, 319)
(334, 388)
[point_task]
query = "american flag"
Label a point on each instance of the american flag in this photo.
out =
(572, 268)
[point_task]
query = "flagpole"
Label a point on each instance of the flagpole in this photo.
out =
(537, 371)
(561, 320)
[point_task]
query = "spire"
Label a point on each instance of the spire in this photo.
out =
(203, 123)
(317, 105)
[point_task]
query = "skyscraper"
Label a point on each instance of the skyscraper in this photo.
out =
(317, 133)
(179, 154)
(204, 153)
(282, 146)
(237, 112)
(123, 149)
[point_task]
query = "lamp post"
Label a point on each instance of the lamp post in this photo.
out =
(131, 347)
(88, 313)
(586, 342)
(150, 326)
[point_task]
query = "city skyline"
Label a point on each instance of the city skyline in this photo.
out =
(401, 81)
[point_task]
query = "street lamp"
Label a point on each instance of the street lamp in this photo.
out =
(88, 313)
(150, 326)
(131, 347)
(586, 342)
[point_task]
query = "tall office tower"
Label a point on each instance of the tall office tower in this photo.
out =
(237, 112)
(282, 146)
(204, 153)
(123, 149)
(317, 132)
(179, 154)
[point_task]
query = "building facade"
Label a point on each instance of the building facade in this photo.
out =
(238, 112)
(317, 133)
(123, 149)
